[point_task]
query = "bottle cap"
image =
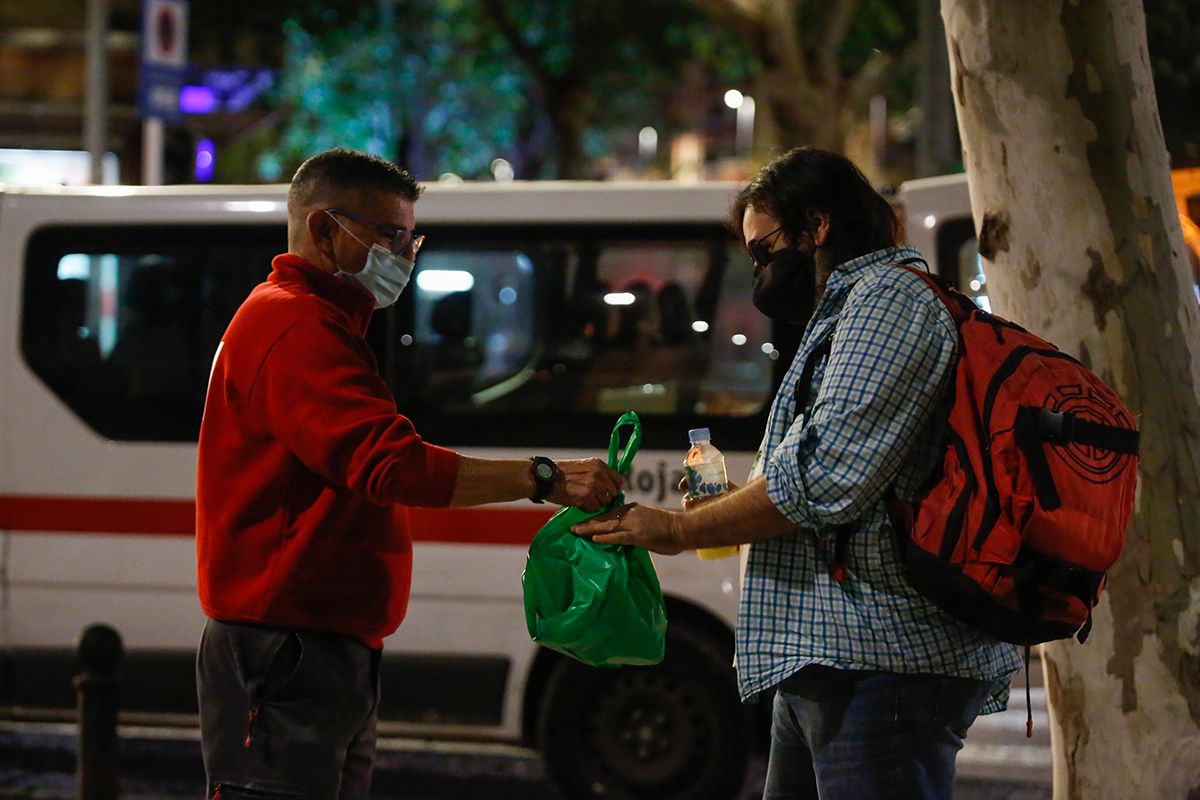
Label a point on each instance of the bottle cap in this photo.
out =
(699, 435)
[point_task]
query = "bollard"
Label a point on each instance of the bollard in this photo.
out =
(96, 692)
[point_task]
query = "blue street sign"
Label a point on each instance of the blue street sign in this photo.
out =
(164, 58)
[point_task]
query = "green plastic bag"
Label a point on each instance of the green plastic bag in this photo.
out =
(598, 603)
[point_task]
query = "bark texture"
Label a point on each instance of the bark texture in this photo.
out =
(1071, 193)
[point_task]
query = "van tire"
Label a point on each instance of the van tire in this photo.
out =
(675, 731)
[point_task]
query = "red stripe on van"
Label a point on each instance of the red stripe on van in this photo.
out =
(97, 515)
(501, 525)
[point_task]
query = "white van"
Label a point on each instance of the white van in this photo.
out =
(938, 220)
(537, 315)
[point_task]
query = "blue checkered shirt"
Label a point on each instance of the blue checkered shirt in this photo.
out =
(879, 402)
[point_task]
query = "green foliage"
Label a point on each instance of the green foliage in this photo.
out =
(437, 85)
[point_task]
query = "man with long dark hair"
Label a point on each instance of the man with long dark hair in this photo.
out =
(874, 686)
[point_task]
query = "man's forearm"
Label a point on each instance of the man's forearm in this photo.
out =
(744, 515)
(483, 480)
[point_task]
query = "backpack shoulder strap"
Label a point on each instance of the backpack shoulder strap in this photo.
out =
(804, 385)
(960, 307)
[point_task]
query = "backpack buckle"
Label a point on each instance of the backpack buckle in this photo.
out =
(1057, 426)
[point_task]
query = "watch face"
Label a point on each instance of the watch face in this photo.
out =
(543, 471)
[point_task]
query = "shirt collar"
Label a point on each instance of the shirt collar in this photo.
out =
(848, 273)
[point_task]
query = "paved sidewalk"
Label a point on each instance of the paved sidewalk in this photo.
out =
(41, 766)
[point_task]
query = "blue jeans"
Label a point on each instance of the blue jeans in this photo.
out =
(862, 735)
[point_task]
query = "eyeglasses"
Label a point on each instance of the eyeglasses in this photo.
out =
(400, 240)
(760, 251)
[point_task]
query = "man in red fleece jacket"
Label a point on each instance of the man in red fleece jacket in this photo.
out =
(303, 563)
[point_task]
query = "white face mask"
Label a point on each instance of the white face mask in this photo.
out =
(384, 275)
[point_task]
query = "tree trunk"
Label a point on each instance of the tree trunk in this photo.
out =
(567, 109)
(1070, 188)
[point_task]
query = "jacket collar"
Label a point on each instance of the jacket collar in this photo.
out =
(346, 295)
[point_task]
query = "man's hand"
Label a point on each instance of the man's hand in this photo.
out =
(588, 483)
(644, 526)
(691, 501)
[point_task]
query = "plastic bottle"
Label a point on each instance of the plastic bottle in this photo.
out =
(704, 468)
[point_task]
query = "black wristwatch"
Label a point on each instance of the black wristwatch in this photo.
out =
(544, 473)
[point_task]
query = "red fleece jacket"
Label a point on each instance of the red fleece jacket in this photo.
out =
(302, 458)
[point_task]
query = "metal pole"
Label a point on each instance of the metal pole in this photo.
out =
(153, 138)
(744, 135)
(96, 693)
(95, 124)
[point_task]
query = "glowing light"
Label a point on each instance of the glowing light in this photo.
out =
(74, 265)
(445, 280)
(738, 338)
(254, 206)
(197, 100)
(502, 171)
(734, 98)
(930, 221)
(768, 348)
(507, 296)
(619, 299)
(976, 286)
(205, 158)
(647, 142)
(700, 326)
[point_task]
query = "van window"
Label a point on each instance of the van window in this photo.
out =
(121, 323)
(530, 335)
(959, 261)
(556, 332)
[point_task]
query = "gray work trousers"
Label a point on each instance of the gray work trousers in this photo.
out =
(285, 712)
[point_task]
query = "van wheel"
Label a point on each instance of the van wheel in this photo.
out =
(675, 731)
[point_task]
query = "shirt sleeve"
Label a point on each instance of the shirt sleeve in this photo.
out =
(320, 395)
(891, 355)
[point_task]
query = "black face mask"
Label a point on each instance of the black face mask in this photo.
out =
(786, 288)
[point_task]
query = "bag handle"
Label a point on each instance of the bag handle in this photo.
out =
(622, 461)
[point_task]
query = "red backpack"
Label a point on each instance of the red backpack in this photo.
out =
(1015, 531)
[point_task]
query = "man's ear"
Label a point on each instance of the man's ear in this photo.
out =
(320, 233)
(318, 223)
(821, 231)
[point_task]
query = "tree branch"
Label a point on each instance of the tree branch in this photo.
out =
(833, 35)
(512, 34)
(745, 17)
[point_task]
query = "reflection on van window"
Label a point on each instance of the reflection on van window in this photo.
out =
(959, 261)
(972, 279)
(588, 328)
(550, 333)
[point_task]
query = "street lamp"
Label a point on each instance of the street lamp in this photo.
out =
(743, 104)
(647, 143)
